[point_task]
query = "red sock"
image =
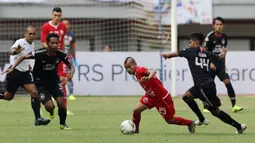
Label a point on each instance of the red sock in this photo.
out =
(136, 120)
(180, 121)
(65, 95)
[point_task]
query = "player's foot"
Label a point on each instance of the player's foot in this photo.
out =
(199, 123)
(191, 128)
(64, 127)
(71, 97)
(41, 121)
(237, 109)
(206, 111)
(52, 116)
(69, 112)
(243, 128)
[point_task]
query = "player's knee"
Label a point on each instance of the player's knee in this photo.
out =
(9, 96)
(33, 93)
(170, 121)
(226, 81)
(214, 111)
(186, 98)
(137, 111)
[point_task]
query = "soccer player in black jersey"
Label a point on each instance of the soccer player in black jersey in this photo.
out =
(199, 63)
(215, 42)
(46, 78)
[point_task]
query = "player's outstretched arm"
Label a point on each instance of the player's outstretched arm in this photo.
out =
(168, 55)
(28, 56)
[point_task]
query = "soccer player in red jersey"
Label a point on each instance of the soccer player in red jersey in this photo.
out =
(56, 26)
(156, 96)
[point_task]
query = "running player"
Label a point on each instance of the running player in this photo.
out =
(199, 63)
(56, 26)
(21, 76)
(70, 50)
(156, 96)
(215, 41)
(45, 74)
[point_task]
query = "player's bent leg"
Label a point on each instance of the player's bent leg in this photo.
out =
(139, 108)
(62, 112)
(227, 119)
(189, 99)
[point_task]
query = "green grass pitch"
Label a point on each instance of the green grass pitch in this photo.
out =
(97, 120)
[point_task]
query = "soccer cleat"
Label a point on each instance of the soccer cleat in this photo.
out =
(243, 128)
(64, 127)
(192, 127)
(71, 97)
(237, 109)
(206, 111)
(52, 116)
(199, 123)
(41, 121)
(69, 112)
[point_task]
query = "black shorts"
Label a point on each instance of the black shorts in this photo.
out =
(46, 91)
(208, 94)
(220, 71)
(16, 78)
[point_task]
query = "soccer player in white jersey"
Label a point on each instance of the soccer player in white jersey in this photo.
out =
(22, 76)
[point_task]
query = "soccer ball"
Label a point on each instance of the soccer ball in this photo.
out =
(127, 127)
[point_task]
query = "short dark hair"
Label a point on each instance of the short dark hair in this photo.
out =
(197, 36)
(51, 35)
(127, 59)
(57, 9)
(218, 18)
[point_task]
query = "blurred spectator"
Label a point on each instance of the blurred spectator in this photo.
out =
(107, 48)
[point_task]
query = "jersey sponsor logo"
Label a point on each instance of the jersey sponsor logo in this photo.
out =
(145, 100)
(61, 32)
(49, 67)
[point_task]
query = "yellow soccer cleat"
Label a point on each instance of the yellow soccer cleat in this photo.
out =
(237, 109)
(64, 127)
(69, 112)
(206, 111)
(71, 97)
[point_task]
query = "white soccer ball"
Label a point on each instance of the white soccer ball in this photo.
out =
(127, 127)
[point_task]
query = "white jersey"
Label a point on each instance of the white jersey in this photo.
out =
(24, 65)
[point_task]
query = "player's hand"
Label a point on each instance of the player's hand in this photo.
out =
(213, 67)
(70, 75)
(164, 55)
(145, 78)
(8, 71)
(19, 49)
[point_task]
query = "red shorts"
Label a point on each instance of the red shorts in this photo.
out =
(165, 105)
(62, 69)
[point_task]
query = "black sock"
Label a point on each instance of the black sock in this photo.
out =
(227, 119)
(194, 107)
(231, 94)
(35, 103)
(62, 115)
(1, 95)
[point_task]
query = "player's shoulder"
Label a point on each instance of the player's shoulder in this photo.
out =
(21, 40)
(62, 25)
(60, 52)
(141, 69)
(46, 24)
(224, 34)
(211, 33)
(41, 50)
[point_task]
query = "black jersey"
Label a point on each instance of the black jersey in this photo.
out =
(215, 43)
(45, 68)
(199, 63)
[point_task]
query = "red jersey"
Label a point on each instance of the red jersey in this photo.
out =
(153, 87)
(60, 30)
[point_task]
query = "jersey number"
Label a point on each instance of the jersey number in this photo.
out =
(202, 62)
